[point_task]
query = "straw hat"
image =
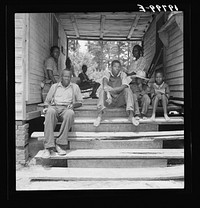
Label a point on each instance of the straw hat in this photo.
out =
(140, 74)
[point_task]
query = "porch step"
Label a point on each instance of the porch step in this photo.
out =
(122, 124)
(91, 111)
(162, 135)
(112, 158)
(90, 143)
(107, 174)
(111, 125)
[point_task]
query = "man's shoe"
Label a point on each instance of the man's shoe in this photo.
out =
(46, 154)
(60, 151)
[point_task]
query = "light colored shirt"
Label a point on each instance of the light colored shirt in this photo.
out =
(137, 65)
(160, 89)
(123, 76)
(64, 95)
(50, 64)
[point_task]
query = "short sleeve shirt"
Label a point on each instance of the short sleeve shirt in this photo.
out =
(123, 76)
(137, 65)
(50, 64)
(163, 88)
(64, 95)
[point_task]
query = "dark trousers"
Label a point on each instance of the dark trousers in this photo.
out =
(88, 85)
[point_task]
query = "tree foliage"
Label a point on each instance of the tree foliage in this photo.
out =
(100, 54)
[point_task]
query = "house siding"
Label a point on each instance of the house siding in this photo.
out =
(174, 74)
(150, 43)
(39, 45)
(39, 49)
(20, 65)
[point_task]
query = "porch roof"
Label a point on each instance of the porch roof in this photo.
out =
(105, 25)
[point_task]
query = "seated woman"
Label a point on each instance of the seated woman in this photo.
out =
(86, 83)
(50, 71)
(139, 64)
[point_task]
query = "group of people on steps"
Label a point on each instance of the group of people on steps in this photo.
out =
(127, 88)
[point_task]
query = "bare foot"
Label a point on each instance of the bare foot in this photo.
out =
(134, 121)
(109, 101)
(137, 117)
(144, 118)
(153, 118)
(166, 117)
(97, 121)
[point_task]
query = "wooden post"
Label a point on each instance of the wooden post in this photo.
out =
(67, 45)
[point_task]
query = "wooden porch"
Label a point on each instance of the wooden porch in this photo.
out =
(116, 150)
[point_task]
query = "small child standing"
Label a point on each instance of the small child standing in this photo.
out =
(159, 94)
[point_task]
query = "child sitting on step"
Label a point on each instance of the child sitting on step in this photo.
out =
(115, 92)
(159, 94)
(140, 91)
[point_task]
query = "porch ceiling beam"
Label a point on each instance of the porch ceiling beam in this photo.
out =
(102, 22)
(135, 22)
(74, 23)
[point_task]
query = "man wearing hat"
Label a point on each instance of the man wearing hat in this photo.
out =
(140, 93)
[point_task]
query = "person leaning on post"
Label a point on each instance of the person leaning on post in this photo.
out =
(60, 102)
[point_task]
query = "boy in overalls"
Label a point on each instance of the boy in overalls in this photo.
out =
(115, 92)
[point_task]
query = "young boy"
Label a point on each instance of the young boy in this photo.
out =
(159, 94)
(87, 83)
(140, 93)
(115, 92)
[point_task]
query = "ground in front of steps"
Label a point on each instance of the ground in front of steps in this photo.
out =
(23, 183)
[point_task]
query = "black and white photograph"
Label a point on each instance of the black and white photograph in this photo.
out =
(99, 98)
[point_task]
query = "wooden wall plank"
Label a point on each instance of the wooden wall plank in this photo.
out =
(40, 43)
(38, 52)
(176, 81)
(174, 70)
(175, 74)
(19, 65)
(149, 43)
(175, 67)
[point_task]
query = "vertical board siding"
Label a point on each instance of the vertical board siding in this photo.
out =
(19, 65)
(39, 50)
(174, 62)
(39, 45)
(150, 43)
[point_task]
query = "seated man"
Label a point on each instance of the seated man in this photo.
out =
(61, 99)
(115, 92)
(86, 83)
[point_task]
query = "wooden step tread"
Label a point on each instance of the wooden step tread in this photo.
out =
(90, 107)
(116, 120)
(124, 120)
(83, 174)
(81, 139)
(114, 135)
(119, 154)
(159, 120)
(94, 108)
